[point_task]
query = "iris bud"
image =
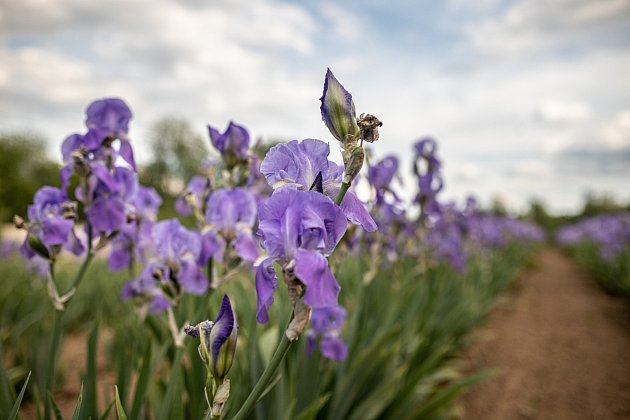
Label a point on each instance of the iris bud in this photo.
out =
(38, 246)
(218, 340)
(338, 110)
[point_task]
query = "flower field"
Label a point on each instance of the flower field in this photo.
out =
(602, 245)
(289, 286)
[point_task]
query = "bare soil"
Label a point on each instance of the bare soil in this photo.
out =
(561, 346)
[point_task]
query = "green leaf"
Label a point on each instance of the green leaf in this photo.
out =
(441, 399)
(142, 384)
(120, 411)
(89, 406)
(311, 410)
(105, 415)
(18, 401)
(77, 408)
(56, 409)
(173, 398)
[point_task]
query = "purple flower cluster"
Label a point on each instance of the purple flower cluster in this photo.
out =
(302, 165)
(172, 267)
(427, 168)
(51, 225)
(299, 229)
(610, 233)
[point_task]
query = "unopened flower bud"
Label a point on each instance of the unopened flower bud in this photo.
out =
(218, 340)
(36, 244)
(338, 110)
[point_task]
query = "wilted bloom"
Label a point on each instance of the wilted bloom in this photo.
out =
(297, 164)
(51, 224)
(338, 111)
(218, 340)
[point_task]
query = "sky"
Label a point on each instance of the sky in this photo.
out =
(526, 99)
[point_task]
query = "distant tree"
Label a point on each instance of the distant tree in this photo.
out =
(24, 168)
(498, 207)
(178, 152)
(595, 204)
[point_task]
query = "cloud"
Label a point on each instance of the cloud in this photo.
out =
(528, 26)
(561, 112)
(492, 100)
(209, 62)
(344, 25)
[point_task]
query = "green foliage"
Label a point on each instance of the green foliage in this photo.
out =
(24, 168)
(612, 275)
(404, 330)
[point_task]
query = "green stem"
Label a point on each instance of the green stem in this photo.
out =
(82, 270)
(263, 381)
(86, 262)
(209, 391)
(52, 361)
(57, 328)
(342, 192)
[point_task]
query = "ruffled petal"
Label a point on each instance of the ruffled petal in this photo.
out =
(311, 268)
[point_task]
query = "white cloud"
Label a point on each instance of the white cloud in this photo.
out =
(208, 63)
(344, 25)
(531, 25)
(262, 64)
(553, 111)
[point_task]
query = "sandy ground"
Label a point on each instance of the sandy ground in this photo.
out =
(562, 347)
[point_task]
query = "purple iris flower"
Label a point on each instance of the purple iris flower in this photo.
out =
(297, 164)
(111, 199)
(427, 169)
(147, 203)
(382, 174)
(172, 265)
(51, 222)
(233, 144)
(106, 120)
(326, 322)
(128, 244)
(231, 215)
(337, 109)
(110, 115)
(109, 118)
(194, 196)
(299, 229)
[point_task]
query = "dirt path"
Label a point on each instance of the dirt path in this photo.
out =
(562, 347)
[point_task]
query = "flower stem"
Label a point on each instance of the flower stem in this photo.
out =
(88, 260)
(263, 381)
(52, 361)
(82, 270)
(57, 328)
(342, 192)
